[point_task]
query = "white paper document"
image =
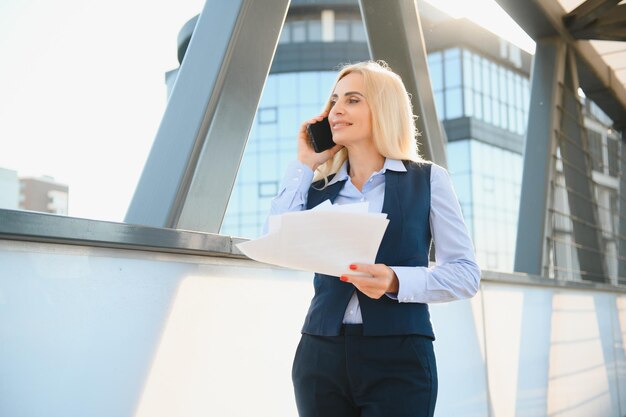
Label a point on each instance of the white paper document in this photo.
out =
(325, 239)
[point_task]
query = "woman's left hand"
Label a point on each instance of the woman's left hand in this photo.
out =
(381, 279)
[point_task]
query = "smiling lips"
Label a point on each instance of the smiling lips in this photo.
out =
(339, 125)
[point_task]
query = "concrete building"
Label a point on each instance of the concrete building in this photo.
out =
(43, 194)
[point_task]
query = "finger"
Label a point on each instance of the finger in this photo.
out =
(357, 280)
(363, 268)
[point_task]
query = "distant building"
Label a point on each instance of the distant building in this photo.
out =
(9, 189)
(43, 194)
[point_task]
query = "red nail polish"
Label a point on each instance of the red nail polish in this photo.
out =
(343, 278)
(353, 267)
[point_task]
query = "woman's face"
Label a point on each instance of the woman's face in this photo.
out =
(350, 116)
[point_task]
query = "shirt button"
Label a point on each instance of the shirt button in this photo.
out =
(351, 312)
(371, 179)
(299, 170)
(363, 199)
(411, 298)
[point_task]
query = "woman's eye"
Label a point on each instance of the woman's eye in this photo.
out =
(353, 101)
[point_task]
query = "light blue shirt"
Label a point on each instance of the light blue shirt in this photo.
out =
(455, 274)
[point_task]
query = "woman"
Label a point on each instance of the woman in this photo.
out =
(366, 346)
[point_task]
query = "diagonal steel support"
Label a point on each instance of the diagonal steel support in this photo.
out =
(555, 120)
(538, 171)
(192, 166)
(395, 35)
(581, 197)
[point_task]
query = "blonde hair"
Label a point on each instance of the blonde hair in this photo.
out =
(393, 123)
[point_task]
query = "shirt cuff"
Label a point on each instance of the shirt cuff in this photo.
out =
(412, 283)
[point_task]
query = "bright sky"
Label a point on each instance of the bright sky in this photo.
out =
(82, 88)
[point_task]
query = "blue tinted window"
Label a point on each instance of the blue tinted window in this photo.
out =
(358, 31)
(298, 31)
(478, 106)
(435, 70)
(454, 103)
(467, 69)
(315, 31)
(468, 102)
(452, 68)
(342, 30)
(458, 153)
(487, 111)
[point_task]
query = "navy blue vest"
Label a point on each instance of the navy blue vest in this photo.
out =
(406, 243)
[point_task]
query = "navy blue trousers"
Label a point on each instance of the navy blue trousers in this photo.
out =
(365, 376)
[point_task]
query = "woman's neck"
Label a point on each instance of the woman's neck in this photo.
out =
(362, 163)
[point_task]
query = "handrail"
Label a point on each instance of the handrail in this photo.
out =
(50, 228)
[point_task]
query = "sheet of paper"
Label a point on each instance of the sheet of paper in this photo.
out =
(324, 240)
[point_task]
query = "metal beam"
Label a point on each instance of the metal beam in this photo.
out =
(587, 12)
(544, 18)
(621, 243)
(548, 67)
(191, 169)
(581, 197)
(395, 35)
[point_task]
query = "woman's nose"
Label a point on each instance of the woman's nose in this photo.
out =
(336, 109)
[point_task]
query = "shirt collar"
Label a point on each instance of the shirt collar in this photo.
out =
(390, 164)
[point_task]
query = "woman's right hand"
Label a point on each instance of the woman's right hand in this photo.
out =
(306, 153)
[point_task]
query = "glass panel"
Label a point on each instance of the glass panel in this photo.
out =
(504, 119)
(510, 89)
(454, 103)
(495, 111)
(358, 31)
(478, 106)
(342, 30)
(435, 70)
(476, 71)
(458, 153)
(452, 68)
(467, 69)
(486, 81)
(298, 31)
(468, 102)
(493, 78)
(595, 150)
(613, 150)
(487, 110)
(315, 31)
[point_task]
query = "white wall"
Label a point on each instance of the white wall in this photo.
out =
(106, 332)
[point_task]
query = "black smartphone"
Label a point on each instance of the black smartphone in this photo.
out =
(321, 135)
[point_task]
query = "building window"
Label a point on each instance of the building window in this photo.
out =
(342, 30)
(268, 189)
(595, 150)
(268, 115)
(315, 31)
(613, 154)
(298, 31)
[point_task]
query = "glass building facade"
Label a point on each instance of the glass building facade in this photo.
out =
(477, 88)
(465, 84)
